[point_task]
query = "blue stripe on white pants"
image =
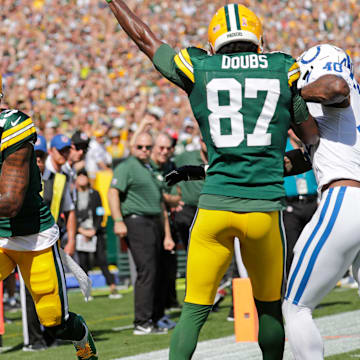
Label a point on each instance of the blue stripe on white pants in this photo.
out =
(308, 243)
(320, 244)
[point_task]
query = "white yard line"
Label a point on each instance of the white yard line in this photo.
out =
(341, 334)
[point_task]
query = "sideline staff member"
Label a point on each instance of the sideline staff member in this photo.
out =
(136, 206)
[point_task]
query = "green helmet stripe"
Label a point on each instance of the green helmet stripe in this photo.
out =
(228, 28)
(238, 26)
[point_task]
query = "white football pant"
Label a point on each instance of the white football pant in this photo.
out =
(326, 248)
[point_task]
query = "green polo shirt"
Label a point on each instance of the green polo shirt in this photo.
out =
(190, 190)
(140, 193)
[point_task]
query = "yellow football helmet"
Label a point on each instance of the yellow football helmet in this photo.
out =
(234, 22)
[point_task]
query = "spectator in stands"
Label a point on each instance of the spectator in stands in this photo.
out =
(150, 123)
(117, 147)
(90, 236)
(97, 158)
(79, 147)
(189, 138)
(41, 153)
(64, 73)
(139, 214)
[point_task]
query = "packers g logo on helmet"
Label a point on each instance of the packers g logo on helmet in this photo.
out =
(234, 22)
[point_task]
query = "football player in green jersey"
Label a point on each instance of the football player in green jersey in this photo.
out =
(244, 102)
(29, 236)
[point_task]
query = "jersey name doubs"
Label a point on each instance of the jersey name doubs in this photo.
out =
(251, 61)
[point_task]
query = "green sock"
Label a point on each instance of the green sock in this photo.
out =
(186, 334)
(72, 329)
(271, 329)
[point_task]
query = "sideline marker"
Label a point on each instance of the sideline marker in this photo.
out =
(246, 319)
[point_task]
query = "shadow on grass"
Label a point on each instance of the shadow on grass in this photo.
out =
(97, 334)
(333, 303)
(13, 349)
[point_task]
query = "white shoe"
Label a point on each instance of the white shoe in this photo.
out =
(149, 329)
(115, 295)
(348, 282)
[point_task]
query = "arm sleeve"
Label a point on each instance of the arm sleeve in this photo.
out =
(175, 67)
(300, 109)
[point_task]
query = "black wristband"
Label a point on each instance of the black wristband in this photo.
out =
(299, 161)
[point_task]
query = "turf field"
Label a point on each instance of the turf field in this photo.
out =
(110, 321)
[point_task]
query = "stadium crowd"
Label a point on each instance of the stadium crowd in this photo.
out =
(69, 65)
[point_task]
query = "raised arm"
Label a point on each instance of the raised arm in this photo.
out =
(137, 30)
(14, 181)
(327, 90)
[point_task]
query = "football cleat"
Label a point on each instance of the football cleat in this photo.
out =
(232, 23)
(85, 348)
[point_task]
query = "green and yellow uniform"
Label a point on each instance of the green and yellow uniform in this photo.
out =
(30, 239)
(17, 129)
(243, 105)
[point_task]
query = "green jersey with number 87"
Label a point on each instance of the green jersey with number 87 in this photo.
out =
(243, 105)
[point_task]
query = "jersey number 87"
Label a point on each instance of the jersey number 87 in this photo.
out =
(259, 137)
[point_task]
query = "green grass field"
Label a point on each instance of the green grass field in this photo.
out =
(110, 322)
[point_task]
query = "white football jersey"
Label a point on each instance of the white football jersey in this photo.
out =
(337, 155)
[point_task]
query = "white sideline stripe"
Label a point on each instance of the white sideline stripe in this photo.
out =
(344, 327)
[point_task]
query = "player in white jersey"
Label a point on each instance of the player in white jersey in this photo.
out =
(330, 242)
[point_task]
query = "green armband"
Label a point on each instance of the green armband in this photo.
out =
(108, 1)
(118, 219)
(301, 112)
